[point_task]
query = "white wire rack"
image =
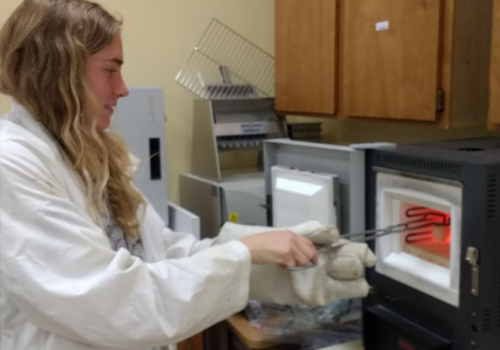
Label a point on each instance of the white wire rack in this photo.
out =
(225, 65)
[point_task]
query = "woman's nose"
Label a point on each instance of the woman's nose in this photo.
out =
(125, 91)
(122, 89)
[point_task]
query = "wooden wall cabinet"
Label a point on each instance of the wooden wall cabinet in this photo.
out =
(391, 52)
(494, 111)
(425, 61)
(306, 56)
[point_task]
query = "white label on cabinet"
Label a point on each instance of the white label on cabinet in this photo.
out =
(382, 26)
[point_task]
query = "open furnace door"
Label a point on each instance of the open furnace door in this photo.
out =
(300, 196)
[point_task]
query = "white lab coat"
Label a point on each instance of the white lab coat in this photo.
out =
(62, 287)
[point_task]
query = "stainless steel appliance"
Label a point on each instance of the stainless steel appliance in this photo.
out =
(237, 199)
(436, 288)
(345, 165)
(234, 125)
(236, 129)
(234, 80)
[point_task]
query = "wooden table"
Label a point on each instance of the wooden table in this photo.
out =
(253, 338)
(249, 335)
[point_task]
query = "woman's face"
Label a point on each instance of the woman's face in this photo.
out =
(105, 77)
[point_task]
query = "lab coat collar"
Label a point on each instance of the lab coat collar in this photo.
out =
(19, 115)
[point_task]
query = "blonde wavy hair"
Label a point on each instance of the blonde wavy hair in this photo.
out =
(44, 48)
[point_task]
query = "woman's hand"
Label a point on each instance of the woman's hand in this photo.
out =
(283, 248)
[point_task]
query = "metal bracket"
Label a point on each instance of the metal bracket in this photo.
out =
(440, 99)
(472, 257)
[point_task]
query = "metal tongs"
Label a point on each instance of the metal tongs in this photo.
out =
(374, 234)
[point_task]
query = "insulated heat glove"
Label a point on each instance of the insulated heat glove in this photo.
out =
(338, 274)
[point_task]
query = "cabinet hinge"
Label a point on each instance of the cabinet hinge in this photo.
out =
(440, 96)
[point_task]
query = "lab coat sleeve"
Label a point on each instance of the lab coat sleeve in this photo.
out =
(59, 269)
(177, 244)
(184, 244)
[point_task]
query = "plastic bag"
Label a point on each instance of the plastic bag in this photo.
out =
(312, 327)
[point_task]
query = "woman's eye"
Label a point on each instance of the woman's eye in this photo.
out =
(110, 71)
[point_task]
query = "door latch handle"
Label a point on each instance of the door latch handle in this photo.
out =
(472, 257)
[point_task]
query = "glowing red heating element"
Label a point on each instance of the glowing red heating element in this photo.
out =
(404, 345)
(431, 242)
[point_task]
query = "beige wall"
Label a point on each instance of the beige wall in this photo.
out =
(158, 37)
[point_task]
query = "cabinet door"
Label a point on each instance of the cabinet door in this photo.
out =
(390, 58)
(306, 56)
(494, 112)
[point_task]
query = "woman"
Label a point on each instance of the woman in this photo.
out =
(86, 263)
